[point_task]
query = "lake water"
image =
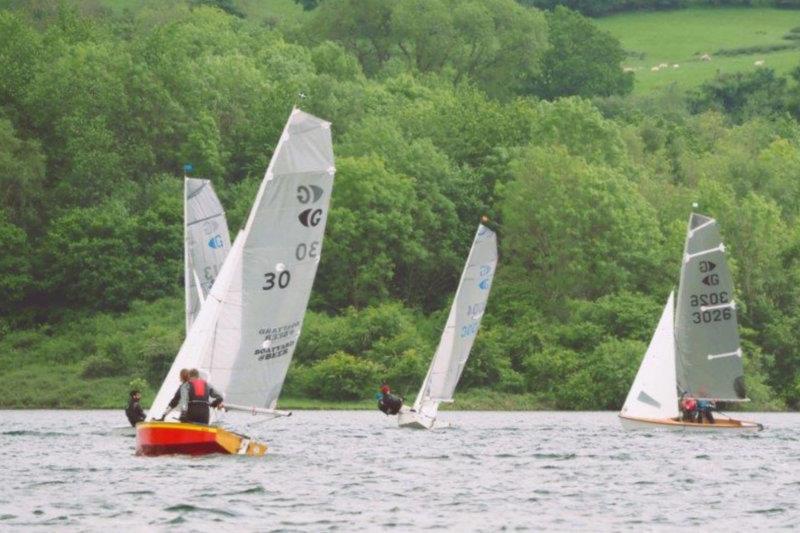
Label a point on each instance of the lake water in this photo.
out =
(357, 471)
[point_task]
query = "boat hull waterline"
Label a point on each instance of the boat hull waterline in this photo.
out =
(166, 438)
(720, 424)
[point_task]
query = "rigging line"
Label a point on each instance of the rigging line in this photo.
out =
(689, 257)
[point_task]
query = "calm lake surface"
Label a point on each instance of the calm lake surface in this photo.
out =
(342, 470)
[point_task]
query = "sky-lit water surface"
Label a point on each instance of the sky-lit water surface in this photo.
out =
(357, 471)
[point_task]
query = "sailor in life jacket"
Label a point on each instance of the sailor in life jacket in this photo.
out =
(388, 403)
(193, 397)
(200, 392)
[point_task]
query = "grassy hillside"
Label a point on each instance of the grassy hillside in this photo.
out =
(265, 10)
(682, 37)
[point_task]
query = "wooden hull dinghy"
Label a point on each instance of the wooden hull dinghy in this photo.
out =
(165, 438)
(695, 350)
(681, 425)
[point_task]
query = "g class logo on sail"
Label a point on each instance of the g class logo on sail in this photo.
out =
(310, 217)
(216, 242)
(484, 284)
(309, 193)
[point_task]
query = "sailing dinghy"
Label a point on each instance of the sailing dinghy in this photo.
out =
(459, 333)
(695, 348)
(245, 333)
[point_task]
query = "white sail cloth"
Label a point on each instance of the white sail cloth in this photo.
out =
(654, 393)
(245, 334)
(206, 243)
(462, 325)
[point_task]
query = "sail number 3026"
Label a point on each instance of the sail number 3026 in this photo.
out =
(712, 315)
(280, 280)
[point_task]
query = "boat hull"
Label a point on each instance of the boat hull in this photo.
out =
(166, 438)
(413, 420)
(721, 424)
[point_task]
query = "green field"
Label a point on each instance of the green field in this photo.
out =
(263, 10)
(681, 37)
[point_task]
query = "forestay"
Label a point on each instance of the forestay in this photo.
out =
(653, 393)
(206, 243)
(709, 356)
(246, 332)
(462, 324)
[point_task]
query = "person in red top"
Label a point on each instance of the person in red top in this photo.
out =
(388, 403)
(689, 408)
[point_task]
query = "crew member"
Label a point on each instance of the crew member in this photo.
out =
(704, 408)
(688, 407)
(134, 411)
(200, 394)
(388, 403)
(181, 398)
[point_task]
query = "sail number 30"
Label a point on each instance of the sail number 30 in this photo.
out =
(281, 280)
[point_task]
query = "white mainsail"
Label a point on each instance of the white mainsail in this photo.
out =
(206, 242)
(654, 391)
(462, 325)
(245, 334)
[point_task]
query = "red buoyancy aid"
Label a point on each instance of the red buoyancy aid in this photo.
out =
(689, 404)
(198, 390)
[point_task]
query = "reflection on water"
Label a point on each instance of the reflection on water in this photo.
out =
(357, 470)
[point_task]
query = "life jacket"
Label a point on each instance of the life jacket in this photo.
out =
(198, 391)
(689, 404)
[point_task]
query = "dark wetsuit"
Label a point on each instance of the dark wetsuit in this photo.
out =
(390, 404)
(134, 412)
(200, 392)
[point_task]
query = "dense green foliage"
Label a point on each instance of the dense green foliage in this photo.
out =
(443, 111)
